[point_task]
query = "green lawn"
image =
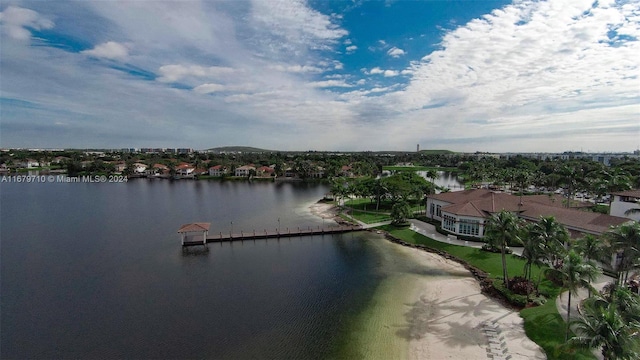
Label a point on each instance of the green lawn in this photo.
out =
(418, 168)
(366, 204)
(543, 324)
(369, 218)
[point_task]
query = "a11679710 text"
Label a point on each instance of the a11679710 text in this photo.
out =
(36, 179)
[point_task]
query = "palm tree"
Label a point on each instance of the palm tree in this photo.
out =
(601, 325)
(553, 236)
(575, 272)
(624, 239)
(592, 248)
(502, 229)
(533, 249)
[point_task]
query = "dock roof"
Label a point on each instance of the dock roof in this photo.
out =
(195, 227)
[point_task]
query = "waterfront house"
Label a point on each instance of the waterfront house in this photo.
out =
(157, 170)
(218, 170)
(318, 173)
(265, 171)
(623, 201)
(119, 166)
(139, 168)
(185, 169)
(290, 173)
(245, 170)
(465, 212)
(29, 164)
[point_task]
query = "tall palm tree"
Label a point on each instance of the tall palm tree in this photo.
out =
(502, 229)
(553, 236)
(624, 239)
(575, 272)
(592, 248)
(533, 249)
(601, 325)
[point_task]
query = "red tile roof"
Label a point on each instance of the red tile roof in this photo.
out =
(631, 193)
(194, 227)
(483, 203)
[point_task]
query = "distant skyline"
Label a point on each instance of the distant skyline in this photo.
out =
(495, 76)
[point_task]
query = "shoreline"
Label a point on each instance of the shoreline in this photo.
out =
(433, 308)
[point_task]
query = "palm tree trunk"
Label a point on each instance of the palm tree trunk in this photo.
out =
(504, 266)
(566, 337)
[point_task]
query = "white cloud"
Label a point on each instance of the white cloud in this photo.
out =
(109, 50)
(178, 72)
(532, 57)
(294, 24)
(378, 71)
(16, 21)
(395, 52)
(351, 48)
(209, 88)
(296, 68)
(329, 83)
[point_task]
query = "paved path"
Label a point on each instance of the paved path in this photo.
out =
(429, 230)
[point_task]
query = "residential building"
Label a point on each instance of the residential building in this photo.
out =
(466, 212)
(265, 171)
(185, 169)
(244, 170)
(218, 170)
(623, 201)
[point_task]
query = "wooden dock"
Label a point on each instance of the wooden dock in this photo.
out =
(267, 234)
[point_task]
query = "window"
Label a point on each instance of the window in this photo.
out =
(470, 227)
(438, 211)
(431, 209)
(449, 223)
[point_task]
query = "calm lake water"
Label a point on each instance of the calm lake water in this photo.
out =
(96, 271)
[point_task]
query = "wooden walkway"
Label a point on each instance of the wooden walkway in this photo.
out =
(266, 234)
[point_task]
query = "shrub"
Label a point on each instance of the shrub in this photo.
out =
(521, 286)
(539, 300)
(514, 299)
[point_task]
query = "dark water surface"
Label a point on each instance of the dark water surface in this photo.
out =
(96, 271)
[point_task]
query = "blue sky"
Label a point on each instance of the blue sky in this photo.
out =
(321, 75)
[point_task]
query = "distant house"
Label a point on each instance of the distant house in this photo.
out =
(218, 170)
(29, 164)
(139, 168)
(466, 212)
(318, 173)
(290, 173)
(623, 201)
(346, 171)
(157, 170)
(244, 170)
(119, 166)
(185, 169)
(60, 159)
(265, 171)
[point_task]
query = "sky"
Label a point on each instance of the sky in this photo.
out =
(497, 76)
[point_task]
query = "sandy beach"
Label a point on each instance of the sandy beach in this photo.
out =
(428, 307)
